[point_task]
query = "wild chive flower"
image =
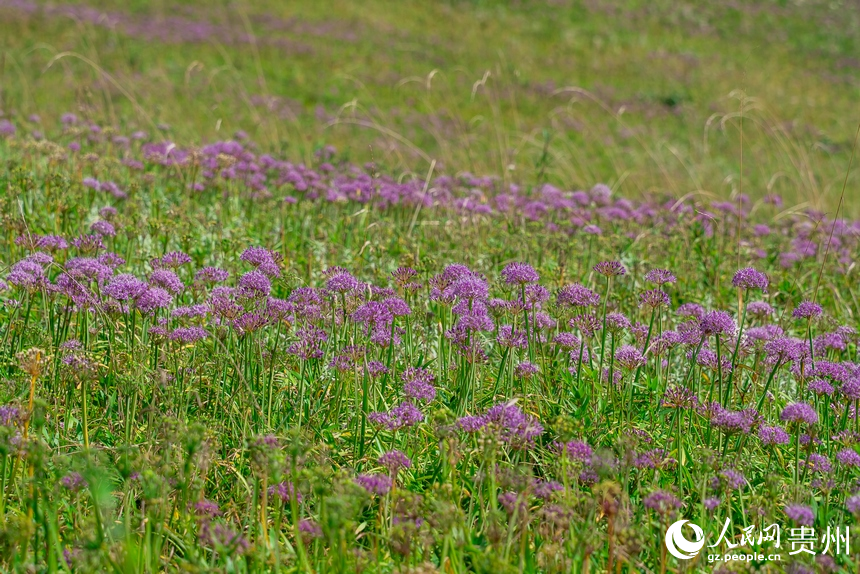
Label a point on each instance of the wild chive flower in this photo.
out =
(801, 413)
(807, 310)
(543, 489)
(151, 299)
(848, 457)
(166, 279)
(717, 323)
(255, 284)
(124, 287)
(610, 268)
(103, 228)
(785, 349)
(818, 463)
(264, 260)
(653, 298)
(662, 502)
(731, 422)
(679, 398)
(512, 425)
(820, 387)
(402, 276)
(852, 504)
(418, 384)
(617, 322)
(285, 491)
(394, 460)
(577, 295)
(342, 282)
(378, 484)
(733, 479)
(88, 243)
(509, 337)
(749, 278)
(759, 309)
(188, 334)
(629, 357)
(800, 514)
(519, 274)
(773, 436)
(526, 370)
(575, 450)
(587, 323)
(74, 482)
(660, 277)
(690, 310)
(309, 344)
(211, 275)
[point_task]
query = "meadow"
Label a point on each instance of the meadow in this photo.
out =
(450, 287)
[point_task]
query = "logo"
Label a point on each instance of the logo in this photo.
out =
(680, 547)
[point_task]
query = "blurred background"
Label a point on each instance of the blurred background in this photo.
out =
(646, 96)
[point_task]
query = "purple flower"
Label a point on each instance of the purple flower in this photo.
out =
(660, 277)
(417, 384)
(690, 310)
(104, 228)
(88, 243)
(166, 279)
(519, 274)
(799, 413)
(309, 344)
(174, 259)
(264, 260)
(310, 528)
(818, 463)
(74, 482)
(576, 450)
(544, 488)
(526, 370)
(807, 310)
(629, 357)
(513, 425)
(800, 514)
(711, 504)
(772, 436)
(378, 484)
(151, 299)
(653, 298)
(577, 295)
(852, 503)
(785, 349)
(759, 309)
(820, 387)
(255, 284)
(211, 275)
(717, 323)
(610, 268)
(342, 282)
(394, 460)
(733, 479)
(732, 421)
(749, 278)
(662, 502)
(286, 491)
(187, 335)
(848, 457)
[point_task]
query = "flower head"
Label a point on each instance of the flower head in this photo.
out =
(610, 268)
(660, 277)
(807, 310)
(749, 278)
(519, 274)
(799, 413)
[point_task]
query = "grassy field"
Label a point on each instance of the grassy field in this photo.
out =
(429, 287)
(644, 96)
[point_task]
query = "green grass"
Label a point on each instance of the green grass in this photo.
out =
(642, 95)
